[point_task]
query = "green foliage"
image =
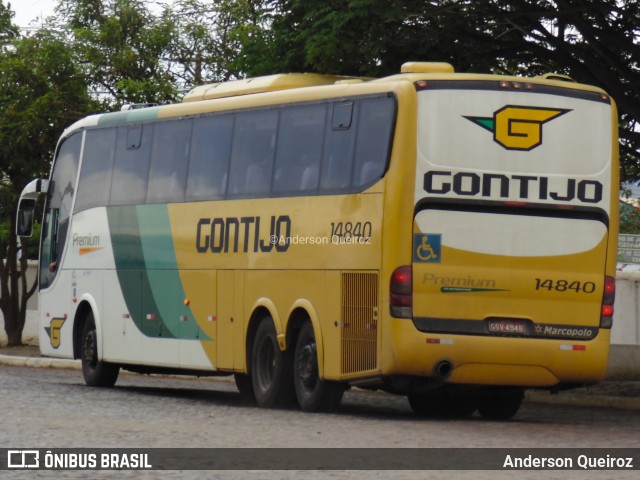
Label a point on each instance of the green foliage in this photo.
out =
(28, 244)
(629, 218)
(121, 45)
(8, 31)
(208, 38)
(42, 91)
(593, 41)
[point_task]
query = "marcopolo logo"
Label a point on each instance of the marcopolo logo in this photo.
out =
(518, 127)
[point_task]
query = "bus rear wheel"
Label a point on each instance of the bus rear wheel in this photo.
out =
(500, 406)
(271, 371)
(96, 373)
(313, 393)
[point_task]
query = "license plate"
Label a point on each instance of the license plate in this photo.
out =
(511, 327)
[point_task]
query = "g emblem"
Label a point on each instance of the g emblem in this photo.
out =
(516, 127)
(53, 330)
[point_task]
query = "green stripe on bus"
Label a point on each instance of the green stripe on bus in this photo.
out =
(129, 116)
(147, 271)
(162, 272)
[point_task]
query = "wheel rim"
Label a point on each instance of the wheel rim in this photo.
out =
(89, 351)
(266, 365)
(307, 366)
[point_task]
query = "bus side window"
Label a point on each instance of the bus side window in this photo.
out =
(254, 139)
(375, 126)
(131, 165)
(299, 149)
(169, 156)
(95, 173)
(339, 143)
(209, 158)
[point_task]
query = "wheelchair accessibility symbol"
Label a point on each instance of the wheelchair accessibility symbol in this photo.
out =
(426, 248)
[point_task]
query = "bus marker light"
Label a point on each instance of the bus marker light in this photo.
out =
(151, 316)
(440, 341)
(211, 318)
(573, 347)
(186, 301)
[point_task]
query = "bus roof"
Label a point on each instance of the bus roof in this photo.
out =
(284, 81)
(410, 72)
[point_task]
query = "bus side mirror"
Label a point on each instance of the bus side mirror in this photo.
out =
(27, 205)
(24, 222)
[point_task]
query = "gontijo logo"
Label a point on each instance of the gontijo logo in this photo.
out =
(517, 127)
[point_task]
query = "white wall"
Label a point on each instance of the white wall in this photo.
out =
(624, 359)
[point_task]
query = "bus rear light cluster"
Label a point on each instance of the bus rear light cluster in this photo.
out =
(401, 292)
(608, 297)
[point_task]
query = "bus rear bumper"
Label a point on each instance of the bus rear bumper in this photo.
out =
(492, 360)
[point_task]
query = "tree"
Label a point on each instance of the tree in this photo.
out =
(120, 44)
(208, 37)
(41, 93)
(594, 42)
(8, 31)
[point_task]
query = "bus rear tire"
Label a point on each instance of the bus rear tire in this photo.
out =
(313, 393)
(500, 406)
(271, 370)
(96, 373)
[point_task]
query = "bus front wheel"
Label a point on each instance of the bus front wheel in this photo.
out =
(271, 372)
(313, 393)
(96, 373)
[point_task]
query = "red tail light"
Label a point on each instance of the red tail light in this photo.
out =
(608, 297)
(400, 292)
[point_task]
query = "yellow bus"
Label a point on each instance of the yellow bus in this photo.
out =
(449, 237)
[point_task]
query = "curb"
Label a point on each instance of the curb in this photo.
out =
(39, 362)
(577, 400)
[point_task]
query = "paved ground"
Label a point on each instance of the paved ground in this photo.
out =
(623, 395)
(52, 408)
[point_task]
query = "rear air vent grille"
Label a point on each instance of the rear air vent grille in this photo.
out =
(359, 322)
